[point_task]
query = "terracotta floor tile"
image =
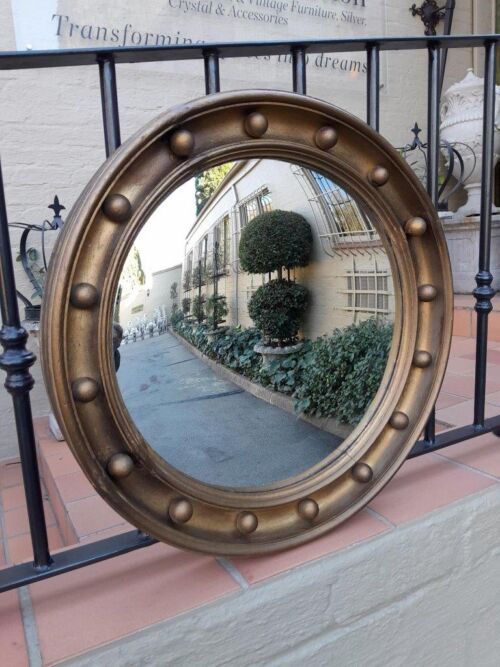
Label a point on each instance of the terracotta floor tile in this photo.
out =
(494, 398)
(74, 486)
(49, 446)
(493, 356)
(460, 365)
(12, 497)
(482, 453)
(494, 326)
(10, 474)
(16, 520)
(461, 346)
(360, 527)
(445, 400)
(12, 644)
(63, 463)
(463, 366)
(462, 322)
(441, 426)
(20, 546)
(463, 385)
(424, 484)
(89, 515)
(41, 425)
(97, 604)
(462, 413)
(108, 532)
(464, 300)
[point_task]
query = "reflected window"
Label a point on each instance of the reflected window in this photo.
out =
(202, 250)
(345, 221)
(367, 291)
(222, 241)
(342, 218)
(255, 283)
(265, 202)
(257, 203)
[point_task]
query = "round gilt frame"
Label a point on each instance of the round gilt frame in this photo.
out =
(82, 282)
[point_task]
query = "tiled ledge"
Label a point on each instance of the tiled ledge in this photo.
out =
(425, 593)
(82, 610)
(436, 511)
(465, 318)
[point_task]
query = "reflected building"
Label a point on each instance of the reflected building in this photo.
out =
(142, 295)
(348, 278)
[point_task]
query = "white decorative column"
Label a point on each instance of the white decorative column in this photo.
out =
(462, 123)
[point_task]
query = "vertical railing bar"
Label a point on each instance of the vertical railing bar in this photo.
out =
(299, 70)
(483, 293)
(433, 95)
(448, 22)
(212, 75)
(16, 361)
(373, 86)
(109, 103)
(433, 122)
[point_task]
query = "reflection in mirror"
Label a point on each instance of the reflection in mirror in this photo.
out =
(253, 322)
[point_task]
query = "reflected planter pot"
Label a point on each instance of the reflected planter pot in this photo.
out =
(270, 353)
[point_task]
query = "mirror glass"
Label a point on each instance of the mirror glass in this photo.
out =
(252, 322)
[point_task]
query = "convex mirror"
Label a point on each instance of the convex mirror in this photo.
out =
(246, 322)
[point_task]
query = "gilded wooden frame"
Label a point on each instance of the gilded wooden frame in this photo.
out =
(81, 287)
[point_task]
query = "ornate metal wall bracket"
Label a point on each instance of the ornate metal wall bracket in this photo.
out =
(81, 288)
(454, 153)
(430, 13)
(32, 311)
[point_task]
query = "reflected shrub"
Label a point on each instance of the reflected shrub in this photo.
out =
(198, 307)
(334, 376)
(176, 317)
(216, 309)
(186, 305)
(346, 371)
(235, 349)
(271, 242)
(274, 240)
(285, 375)
(277, 309)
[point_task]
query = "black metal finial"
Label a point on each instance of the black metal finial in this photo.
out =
(57, 208)
(416, 131)
(430, 13)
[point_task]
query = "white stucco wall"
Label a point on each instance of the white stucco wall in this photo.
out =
(425, 594)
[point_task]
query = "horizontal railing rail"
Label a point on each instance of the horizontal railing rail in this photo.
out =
(148, 54)
(16, 359)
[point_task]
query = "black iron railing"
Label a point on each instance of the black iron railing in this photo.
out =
(16, 360)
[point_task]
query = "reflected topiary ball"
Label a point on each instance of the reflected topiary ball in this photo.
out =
(275, 240)
(277, 309)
